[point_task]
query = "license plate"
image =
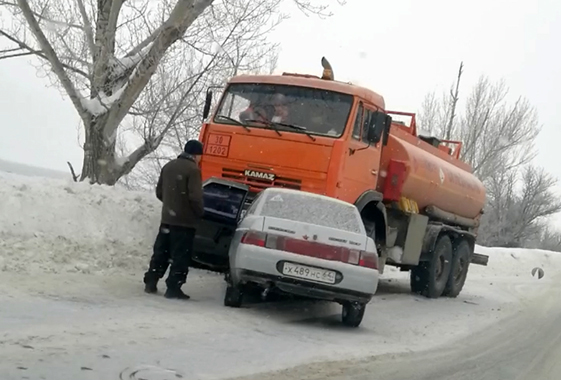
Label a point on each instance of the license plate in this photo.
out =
(308, 273)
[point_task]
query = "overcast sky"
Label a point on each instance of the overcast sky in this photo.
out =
(400, 48)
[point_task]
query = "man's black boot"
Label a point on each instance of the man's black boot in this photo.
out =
(176, 293)
(150, 283)
(151, 288)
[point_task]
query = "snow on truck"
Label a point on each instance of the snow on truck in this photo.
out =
(419, 202)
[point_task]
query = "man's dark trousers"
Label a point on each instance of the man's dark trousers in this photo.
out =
(173, 247)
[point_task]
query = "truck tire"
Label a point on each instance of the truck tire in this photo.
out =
(233, 296)
(459, 269)
(429, 278)
(352, 313)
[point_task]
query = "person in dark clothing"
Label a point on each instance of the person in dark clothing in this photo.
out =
(181, 193)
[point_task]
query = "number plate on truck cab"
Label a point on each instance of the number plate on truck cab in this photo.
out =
(308, 273)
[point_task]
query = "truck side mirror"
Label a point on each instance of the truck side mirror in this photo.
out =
(387, 130)
(208, 103)
(377, 126)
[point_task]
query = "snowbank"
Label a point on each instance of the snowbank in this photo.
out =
(60, 226)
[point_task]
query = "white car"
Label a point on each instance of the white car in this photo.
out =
(304, 244)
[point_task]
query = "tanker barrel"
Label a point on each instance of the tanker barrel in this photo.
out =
(446, 216)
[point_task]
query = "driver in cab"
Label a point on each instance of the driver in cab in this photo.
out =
(275, 111)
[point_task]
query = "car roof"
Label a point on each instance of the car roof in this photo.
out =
(306, 194)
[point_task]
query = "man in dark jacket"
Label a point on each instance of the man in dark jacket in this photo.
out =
(180, 190)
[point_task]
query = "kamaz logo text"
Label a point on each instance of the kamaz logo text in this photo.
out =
(259, 175)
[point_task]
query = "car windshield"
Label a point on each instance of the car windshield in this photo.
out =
(290, 108)
(313, 209)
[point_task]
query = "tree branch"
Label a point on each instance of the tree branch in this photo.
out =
(74, 176)
(50, 54)
(38, 53)
(181, 17)
(88, 30)
(14, 55)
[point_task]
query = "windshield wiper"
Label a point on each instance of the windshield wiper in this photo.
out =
(275, 125)
(234, 121)
(299, 128)
(267, 123)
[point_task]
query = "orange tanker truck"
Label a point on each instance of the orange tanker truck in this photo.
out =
(419, 202)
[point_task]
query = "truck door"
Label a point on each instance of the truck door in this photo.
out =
(362, 161)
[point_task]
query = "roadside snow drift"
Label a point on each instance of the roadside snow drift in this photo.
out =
(61, 226)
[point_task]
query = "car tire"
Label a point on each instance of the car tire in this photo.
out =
(352, 313)
(459, 269)
(429, 278)
(233, 296)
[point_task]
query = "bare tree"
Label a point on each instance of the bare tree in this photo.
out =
(496, 134)
(498, 138)
(129, 66)
(547, 238)
(516, 217)
(438, 114)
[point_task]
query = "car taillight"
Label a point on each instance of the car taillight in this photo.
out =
(368, 260)
(354, 256)
(254, 238)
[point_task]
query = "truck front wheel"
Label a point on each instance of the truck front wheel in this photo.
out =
(459, 269)
(429, 278)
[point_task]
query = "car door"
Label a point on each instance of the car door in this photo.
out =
(362, 160)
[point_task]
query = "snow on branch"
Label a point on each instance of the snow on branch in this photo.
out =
(121, 65)
(102, 102)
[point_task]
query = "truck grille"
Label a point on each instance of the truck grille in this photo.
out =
(261, 184)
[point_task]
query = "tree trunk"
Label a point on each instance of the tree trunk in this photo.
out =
(99, 155)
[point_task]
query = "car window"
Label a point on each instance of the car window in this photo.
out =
(310, 208)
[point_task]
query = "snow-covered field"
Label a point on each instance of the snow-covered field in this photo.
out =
(72, 306)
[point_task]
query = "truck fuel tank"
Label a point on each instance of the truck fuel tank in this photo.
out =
(431, 175)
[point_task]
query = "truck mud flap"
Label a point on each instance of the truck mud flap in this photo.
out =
(224, 203)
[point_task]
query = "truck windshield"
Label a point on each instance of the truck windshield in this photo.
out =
(285, 108)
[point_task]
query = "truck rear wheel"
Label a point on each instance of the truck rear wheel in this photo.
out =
(429, 278)
(459, 269)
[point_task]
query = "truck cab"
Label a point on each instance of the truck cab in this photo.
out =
(297, 132)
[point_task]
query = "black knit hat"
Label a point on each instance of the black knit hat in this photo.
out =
(194, 147)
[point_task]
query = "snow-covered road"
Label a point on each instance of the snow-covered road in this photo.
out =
(95, 327)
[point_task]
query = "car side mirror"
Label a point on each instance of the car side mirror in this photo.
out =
(208, 103)
(378, 124)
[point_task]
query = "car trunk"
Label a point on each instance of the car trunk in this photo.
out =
(313, 240)
(224, 201)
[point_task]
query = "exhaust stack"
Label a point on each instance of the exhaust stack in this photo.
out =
(327, 70)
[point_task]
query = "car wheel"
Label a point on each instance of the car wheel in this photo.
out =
(233, 296)
(458, 270)
(429, 278)
(352, 313)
